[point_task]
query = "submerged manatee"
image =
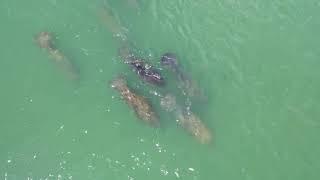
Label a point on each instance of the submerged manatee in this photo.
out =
(188, 87)
(187, 119)
(139, 104)
(44, 41)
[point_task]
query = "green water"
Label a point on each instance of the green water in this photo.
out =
(257, 61)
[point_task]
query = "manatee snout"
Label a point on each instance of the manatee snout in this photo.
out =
(169, 59)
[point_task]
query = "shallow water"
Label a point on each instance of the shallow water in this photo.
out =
(257, 62)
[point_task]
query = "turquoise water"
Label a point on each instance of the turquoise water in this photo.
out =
(257, 62)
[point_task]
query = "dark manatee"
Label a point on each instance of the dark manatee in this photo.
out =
(188, 87)
(170, 60)
(145, 71)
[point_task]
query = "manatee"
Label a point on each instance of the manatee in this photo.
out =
(139, 104)
(187, 119)
(44, 41)
(184, 82)
(145, 71)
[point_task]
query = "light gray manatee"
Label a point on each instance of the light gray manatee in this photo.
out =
(187, 119)
(44, 40)
(139, 104)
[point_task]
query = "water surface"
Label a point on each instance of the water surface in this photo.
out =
(257, 61)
